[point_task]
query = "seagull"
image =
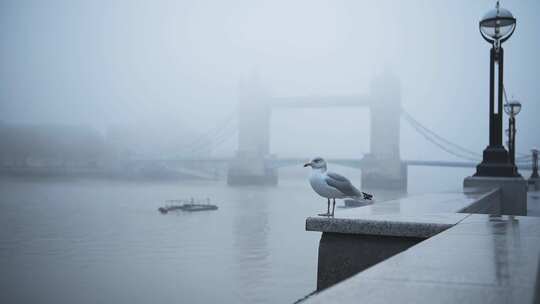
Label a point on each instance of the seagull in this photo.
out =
(332, 185)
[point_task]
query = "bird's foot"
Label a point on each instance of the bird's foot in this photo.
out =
(325, 214)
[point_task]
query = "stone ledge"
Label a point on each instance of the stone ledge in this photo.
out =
(382, 227)
(417, 216)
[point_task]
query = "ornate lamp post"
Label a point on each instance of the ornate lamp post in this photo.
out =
(496, 27)
(512, 108)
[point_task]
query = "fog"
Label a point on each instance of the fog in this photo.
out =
(115, 114)
(169, 71)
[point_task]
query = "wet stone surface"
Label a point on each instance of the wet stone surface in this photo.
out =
(418, 216)
(477, 259)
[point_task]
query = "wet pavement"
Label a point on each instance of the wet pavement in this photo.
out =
(533, 203)
(479, 259)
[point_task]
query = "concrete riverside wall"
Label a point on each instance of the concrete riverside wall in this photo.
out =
(534, 184)
(344, 255)
(513, 192)
(481, 259)
(489, 203)
(358, 238)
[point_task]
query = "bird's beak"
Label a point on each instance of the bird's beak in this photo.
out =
(307, 165)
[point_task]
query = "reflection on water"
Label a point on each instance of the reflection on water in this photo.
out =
(250, 231)
(105, 242)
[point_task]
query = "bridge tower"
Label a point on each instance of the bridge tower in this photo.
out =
(382, 167)
(248, 166)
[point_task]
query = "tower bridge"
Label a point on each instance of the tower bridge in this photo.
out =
(381, 167)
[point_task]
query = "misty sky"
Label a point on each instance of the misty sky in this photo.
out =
(156, 62)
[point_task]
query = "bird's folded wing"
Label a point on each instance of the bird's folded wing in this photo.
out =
(341, 183)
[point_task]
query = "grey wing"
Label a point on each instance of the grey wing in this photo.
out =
(341, 183)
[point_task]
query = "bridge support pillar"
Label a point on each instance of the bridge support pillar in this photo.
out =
(383, 168)
(248, 166)
(249, 169)
(384, 173)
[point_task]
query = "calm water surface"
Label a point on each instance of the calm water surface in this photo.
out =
(92, 241)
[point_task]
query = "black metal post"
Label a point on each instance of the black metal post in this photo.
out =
(512, 140)
(496, 160)
(492, 120)
(534, 164)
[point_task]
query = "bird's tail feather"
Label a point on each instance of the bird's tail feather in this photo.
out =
(367, 196)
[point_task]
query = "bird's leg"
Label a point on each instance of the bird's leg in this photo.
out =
(327, 209)
(333, 206)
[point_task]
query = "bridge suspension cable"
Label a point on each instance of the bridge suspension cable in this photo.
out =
(439, 141)
(225, 136)
(212, 138)
(451, 147)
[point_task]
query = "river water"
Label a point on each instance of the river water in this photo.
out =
(100, 241)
